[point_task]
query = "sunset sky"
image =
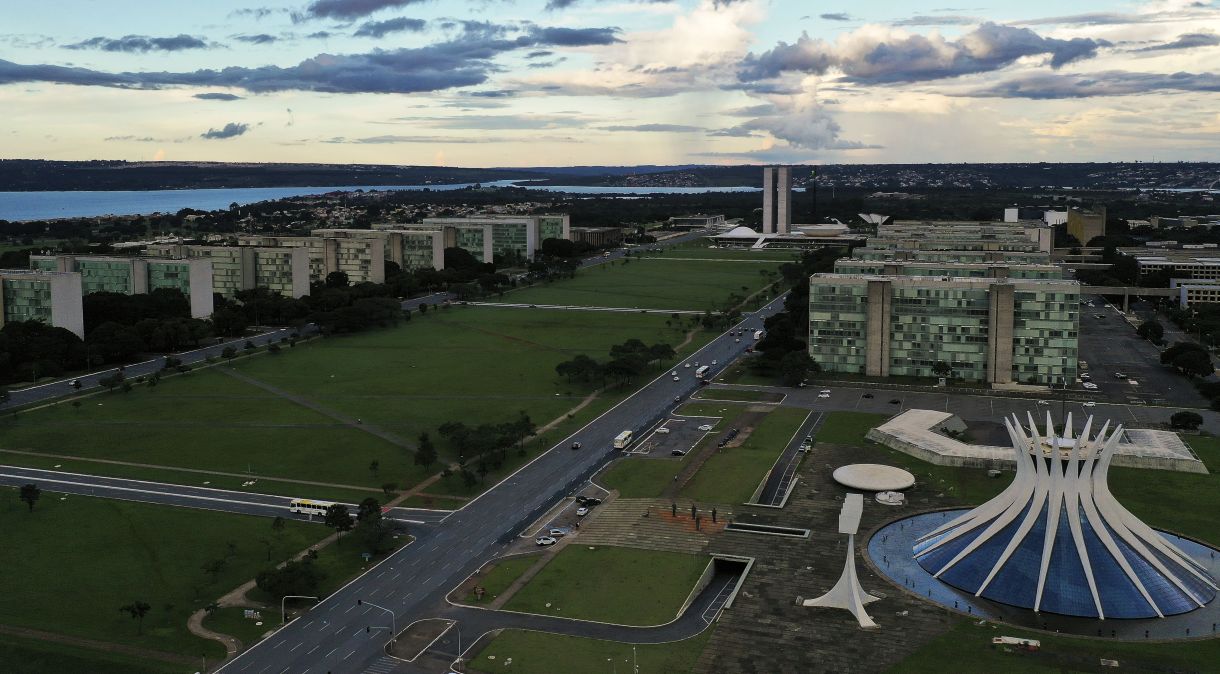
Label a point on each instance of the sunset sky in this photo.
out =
(566, 82)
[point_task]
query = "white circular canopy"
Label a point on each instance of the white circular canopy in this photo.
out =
(873, 477)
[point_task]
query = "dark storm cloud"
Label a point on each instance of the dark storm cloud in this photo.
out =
(352, 9)
(1186, 41)
(230, 130)
(217, 96)
(142, 43)
(1046, 86)
(914, 58)
(383, 28)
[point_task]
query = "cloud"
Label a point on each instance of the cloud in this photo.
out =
(319, 35)
(230, 130)
(496, 122)
(217, 96)
(464, 60)
(835, 16)
(465, 140)
(382, 28)
(539, 54)
(937, 20)
(1045, 86)
(878, 55)
(261, 38)
(351, 9)
(142, 43)
(1186, 41)
(805, 126)
(1170, 15)
(144, 139)
(552, 5)
(654, 128)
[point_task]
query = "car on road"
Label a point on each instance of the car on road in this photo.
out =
(1089, 403)
(545, 541)
(674, 373)
(704, 382)
(738, 340)
(663, 430)
(588, 500)
(557, 533)
(825, 390)
(582, 511)
(1044, 402)
(677, 452)
(713, 362)
(1086, 377)
(823, 395)
(677, 378)
(1090, 386)
(575, 445)
(1120, 375)
(895, 401)
(705, 427)
(867, 395)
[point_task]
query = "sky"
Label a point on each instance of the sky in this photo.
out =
(608, 82)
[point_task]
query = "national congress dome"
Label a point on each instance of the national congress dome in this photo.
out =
(1057, 540)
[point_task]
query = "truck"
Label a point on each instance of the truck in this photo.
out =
(701, 371)
(758, 335)
(622, 440)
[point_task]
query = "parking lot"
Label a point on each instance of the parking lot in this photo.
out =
(674, 434)
(1110, 346)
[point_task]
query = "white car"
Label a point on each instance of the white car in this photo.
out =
(663, 431)
(1089, 403)
(825, 390)
(738, 340)
(687, 365)
(545, 541)
(823, 395)
(676, 378)
(1044, 402)
(582, 511)
(674, 373)
(705, 427)
(1090, 386)
(713, 362)
(557, 533)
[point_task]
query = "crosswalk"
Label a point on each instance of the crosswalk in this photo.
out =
(384, 665)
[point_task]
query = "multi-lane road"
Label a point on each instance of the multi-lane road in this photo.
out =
(332, 637)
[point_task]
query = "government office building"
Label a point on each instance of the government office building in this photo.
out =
(235, 268)
(514, 238)
(137, 276)
(993, 330)
(50, 297)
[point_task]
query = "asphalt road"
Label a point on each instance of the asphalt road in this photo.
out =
(204, 498)
(332, 636)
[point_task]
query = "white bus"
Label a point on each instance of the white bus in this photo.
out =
(309, 506)
(701, 371)
(758, 335)
(622, 440)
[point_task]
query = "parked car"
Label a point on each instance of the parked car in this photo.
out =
(663, 430)
(575, 445)
(557, 533)
(867, 395)
(823, 395)
(545, 541)
(1089, 403)
(825, 390)
(677, 452)
(582, 511)
(895, 401)
(590, 501)
(1044, 402)
(705, 427)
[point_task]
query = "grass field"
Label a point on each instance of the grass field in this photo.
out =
(636, 477)
(701, 251)
(848, 428)
(232, 621)
(968, 647)
(499, 578)
(732, 475)
(539, 653)
(609, 584)
(32, 656)
(652, 284)
(80, 559)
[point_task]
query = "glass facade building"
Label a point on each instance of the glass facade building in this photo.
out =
(137, 276)
(235, 268)
(50, 297)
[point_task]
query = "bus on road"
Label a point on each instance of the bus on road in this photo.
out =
(758, 335)
(309, 506)
(701, 371)
(622, 440)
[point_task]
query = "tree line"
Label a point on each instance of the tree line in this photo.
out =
(627, 361)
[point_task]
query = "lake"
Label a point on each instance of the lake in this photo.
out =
(18, 206)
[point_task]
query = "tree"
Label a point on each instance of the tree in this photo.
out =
(1186, 420)
(337, 279)
(375, 535)
(942, 369)
(137, 610)
(374, 467)
(795, 366)
(295, 577)
(229, 353)
(1194, 364)
(425, 455)
(369, 509)
(338, 518)
(388, 488)
(1151, 330)
(30, 493)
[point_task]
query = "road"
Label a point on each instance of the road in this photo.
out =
(332, 636)
(203, 498)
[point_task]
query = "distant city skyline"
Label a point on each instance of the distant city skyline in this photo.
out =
(579, 82)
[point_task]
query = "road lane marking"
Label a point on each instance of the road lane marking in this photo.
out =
(295, 647)
(313, 649)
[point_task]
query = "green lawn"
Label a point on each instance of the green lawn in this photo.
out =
(80, 559)
(638, 477)
(208, 420)
(848, 428)
(652, 284)
(609, 584)
(737, 395)
(232, 621)
(496, 581)
(968, 647)
(1181, 502)
(700, 250)
(539, 653)
(732, 475)
(33, 656)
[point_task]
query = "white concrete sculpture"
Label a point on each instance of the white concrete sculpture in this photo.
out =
(847, 593)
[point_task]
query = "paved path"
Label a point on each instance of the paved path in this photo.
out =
(784, 471)
(351, 421)
(94, 644)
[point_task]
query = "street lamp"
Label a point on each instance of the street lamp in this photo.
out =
(283, 613)
(393, 619)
